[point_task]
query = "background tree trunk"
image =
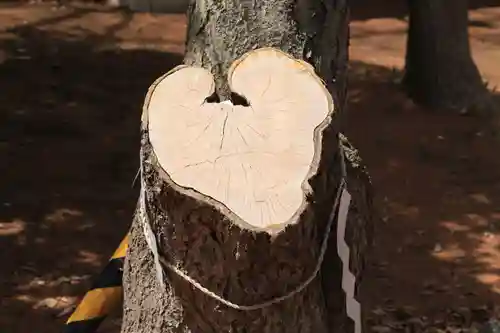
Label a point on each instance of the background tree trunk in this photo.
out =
(218, 33)
(440, 72)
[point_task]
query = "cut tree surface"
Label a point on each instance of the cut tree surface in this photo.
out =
(254, 160)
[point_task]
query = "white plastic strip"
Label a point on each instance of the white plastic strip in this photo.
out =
(353, 308)
(148, 232)
(151, 240)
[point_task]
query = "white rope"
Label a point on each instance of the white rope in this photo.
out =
(275, 300)
(136, 176)
(152, 244)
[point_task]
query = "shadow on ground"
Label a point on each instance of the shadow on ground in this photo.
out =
(69, 139)
(437, 179)
(69, 136)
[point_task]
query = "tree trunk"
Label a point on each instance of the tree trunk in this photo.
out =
(205, 242)
(439, 71)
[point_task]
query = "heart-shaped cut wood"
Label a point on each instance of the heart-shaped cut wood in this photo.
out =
(256, 160)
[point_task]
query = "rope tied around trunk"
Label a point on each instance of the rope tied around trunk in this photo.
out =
(151, 240)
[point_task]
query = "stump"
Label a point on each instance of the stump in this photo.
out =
(241, 195)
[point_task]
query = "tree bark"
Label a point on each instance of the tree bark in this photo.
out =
(202, 240)
(440, 71)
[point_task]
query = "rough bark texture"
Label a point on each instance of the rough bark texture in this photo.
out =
(440, 72)
(317, 31)
(243, 266)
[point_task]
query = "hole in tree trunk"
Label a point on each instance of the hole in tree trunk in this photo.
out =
(237, 99)
(214, 98)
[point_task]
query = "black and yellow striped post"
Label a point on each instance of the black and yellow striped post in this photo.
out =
(104, 296)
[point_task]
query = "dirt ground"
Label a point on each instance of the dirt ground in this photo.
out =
(72, 82)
